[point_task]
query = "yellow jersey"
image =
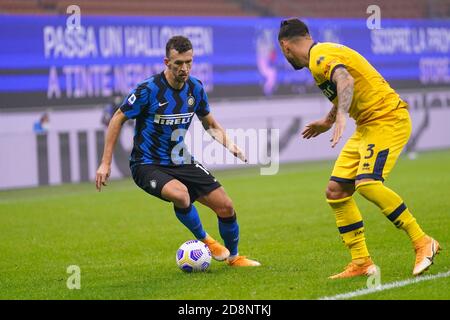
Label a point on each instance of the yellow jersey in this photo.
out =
(373, 97)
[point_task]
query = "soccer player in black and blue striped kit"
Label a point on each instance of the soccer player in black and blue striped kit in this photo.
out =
(163, 106)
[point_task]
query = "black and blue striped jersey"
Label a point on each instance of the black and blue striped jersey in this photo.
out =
(163, 114)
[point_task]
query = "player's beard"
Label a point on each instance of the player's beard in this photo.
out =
(182, 78)
(179, 76)
(294, 64)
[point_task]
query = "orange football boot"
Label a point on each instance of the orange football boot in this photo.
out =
(354, 270)
(218, 251)
(426, 249)
(242, 261)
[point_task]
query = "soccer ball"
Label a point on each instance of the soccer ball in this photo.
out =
(192, 256)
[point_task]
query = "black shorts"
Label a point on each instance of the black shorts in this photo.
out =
(152, 177)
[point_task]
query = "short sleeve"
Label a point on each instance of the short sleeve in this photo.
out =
(135, 101)
(324, 66)
(203, 106)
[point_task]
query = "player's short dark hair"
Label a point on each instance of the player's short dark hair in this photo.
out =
(291, 28)
(179, 43)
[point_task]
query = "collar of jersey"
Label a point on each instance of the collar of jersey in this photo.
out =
(309, 51)
(168, 84)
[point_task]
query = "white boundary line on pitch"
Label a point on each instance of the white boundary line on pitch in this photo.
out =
(387, 286)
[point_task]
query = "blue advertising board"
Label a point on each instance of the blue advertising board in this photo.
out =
(45, 63)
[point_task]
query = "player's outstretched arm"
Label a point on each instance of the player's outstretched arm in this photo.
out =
(344, 85)
(313, 129)
(218, 133)
(112, 133)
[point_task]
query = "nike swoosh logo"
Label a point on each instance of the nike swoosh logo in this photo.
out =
(162, 104)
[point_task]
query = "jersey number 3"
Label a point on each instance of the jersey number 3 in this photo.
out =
(370, 149)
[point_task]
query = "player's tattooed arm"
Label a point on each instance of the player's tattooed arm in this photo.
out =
(331, 116)
(344, 84)
(313, 129)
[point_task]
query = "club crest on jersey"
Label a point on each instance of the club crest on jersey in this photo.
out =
(321, 58)
(191, 101)
(172, 119)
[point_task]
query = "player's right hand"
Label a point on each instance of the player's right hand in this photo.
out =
(315, 128)
(102, 175)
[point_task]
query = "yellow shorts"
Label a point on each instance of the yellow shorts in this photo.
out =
(371, 152)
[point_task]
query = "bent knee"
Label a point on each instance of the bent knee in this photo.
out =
(182, 200)
(179, 196)
(226, 209)
(337, 190)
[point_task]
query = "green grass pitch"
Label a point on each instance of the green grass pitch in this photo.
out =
(125, 241)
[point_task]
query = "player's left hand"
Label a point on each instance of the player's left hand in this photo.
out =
(339, 127)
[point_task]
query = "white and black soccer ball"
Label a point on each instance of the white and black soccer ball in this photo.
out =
(192, 256)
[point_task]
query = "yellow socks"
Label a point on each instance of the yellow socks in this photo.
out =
(392, 207)
(350, 225)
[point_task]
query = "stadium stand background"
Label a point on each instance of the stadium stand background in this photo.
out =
(322, 8)
(58, 138)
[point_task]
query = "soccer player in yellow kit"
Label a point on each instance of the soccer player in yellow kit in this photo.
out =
(383, 127)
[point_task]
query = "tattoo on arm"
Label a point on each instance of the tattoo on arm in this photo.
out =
(344, 83)
(331, 116)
